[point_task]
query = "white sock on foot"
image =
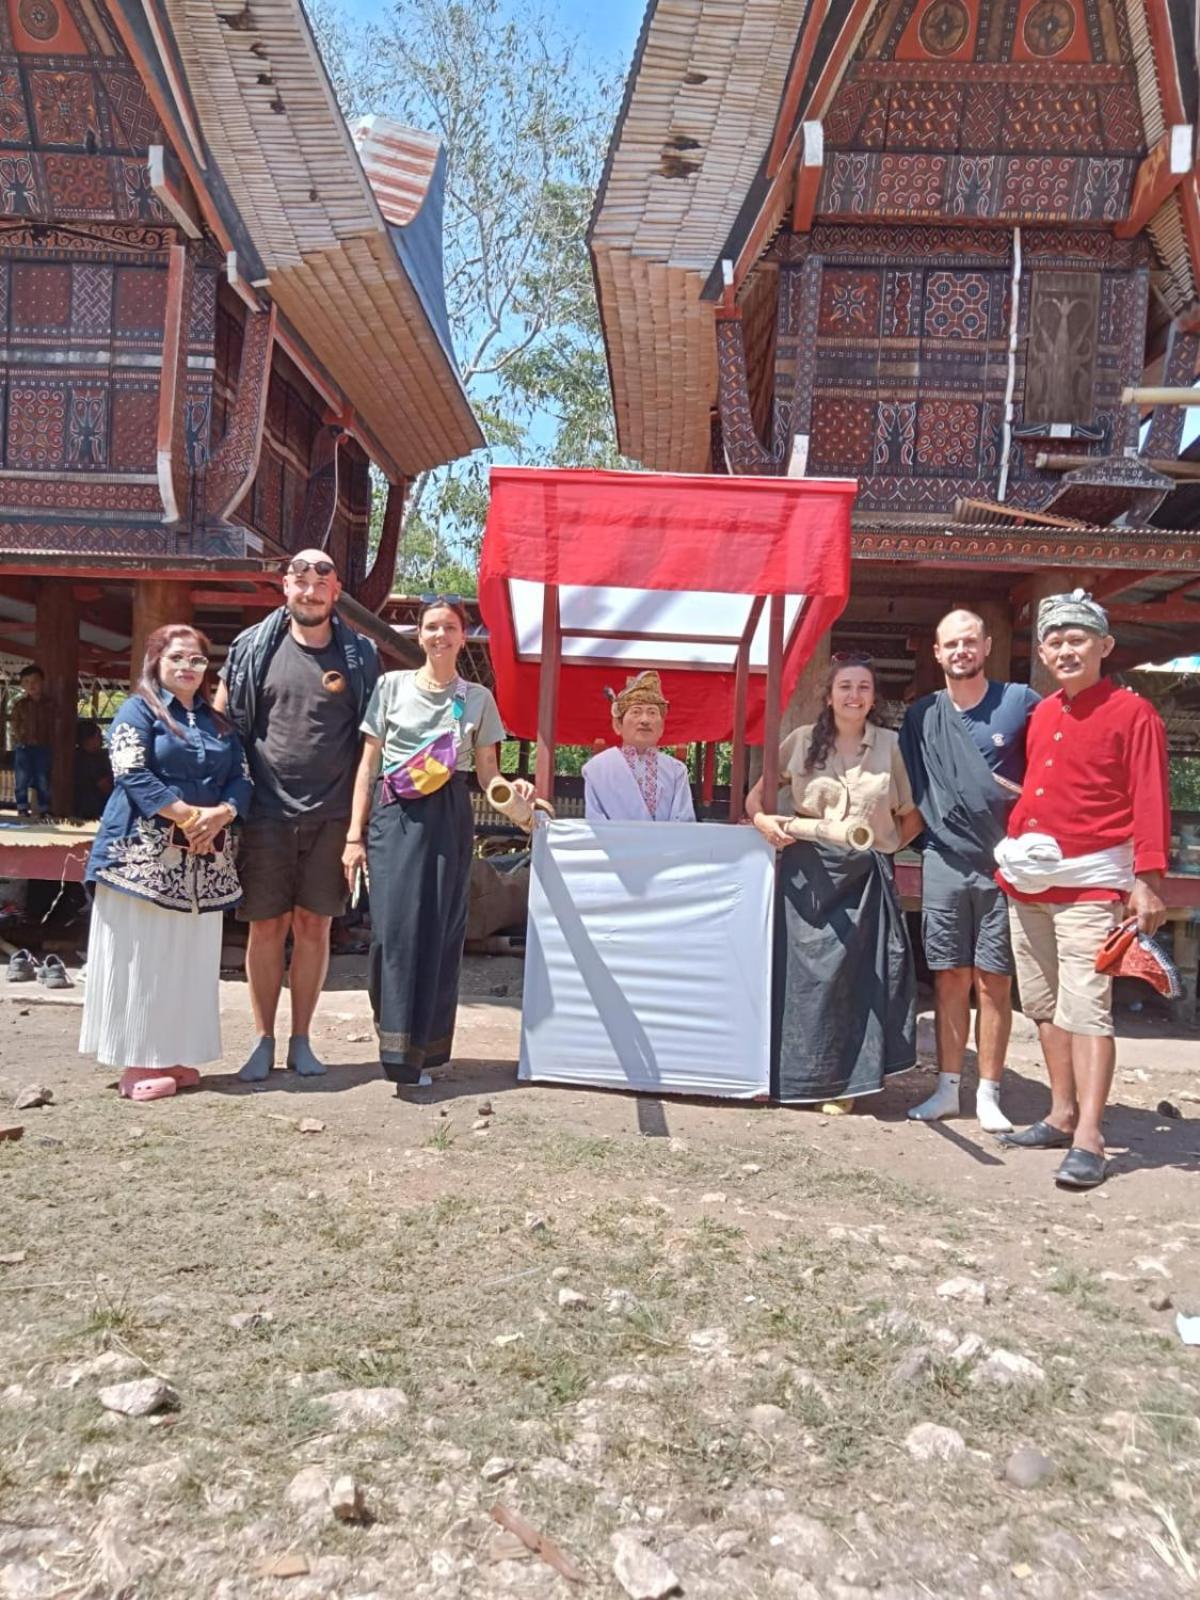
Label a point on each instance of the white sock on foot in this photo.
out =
(987, 1108)
(943, 1102)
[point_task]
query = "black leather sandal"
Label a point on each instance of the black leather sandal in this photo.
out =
(1083, 1169)
(1039, 1136)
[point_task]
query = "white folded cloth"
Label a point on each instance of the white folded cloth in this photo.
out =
(1035, 862)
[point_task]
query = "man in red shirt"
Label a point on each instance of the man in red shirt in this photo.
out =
(1088, 837)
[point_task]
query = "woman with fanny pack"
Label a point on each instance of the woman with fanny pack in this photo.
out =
(163, 867)
(423, 733)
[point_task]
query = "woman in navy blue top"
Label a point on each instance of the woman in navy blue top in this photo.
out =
(163, 866)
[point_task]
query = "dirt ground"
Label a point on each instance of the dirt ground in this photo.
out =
(783, 1354)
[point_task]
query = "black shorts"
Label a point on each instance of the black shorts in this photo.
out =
(964, 918)
(287, 862)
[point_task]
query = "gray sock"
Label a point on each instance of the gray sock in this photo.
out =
(301, 1058)
(259, 1062)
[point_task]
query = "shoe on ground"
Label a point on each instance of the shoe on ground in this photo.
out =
(1082, 1169)
(423, 1082)
(1038, 1136)
(53, 975)
(22, 968)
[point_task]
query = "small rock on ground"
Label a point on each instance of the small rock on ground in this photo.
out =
(642, 1573)
(346, 1499)
(968, 1289)
(141, 1398)
(365, 1408)
(929, 1441)
(1004, 1370)
(1026, 1468)
(36, 1095)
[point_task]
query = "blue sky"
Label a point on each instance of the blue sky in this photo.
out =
(608, 27)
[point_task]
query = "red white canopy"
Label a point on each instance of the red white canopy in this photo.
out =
(657, 570)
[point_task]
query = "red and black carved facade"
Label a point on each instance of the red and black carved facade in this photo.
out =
(95, 390)
(960, 298)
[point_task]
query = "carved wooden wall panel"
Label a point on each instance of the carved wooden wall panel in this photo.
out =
(989, 110)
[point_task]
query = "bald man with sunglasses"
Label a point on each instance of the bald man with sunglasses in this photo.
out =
(296, 687)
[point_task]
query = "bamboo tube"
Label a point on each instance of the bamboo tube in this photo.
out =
(1184, 471)
(1139, 395)
(850, 835)
(502, 797)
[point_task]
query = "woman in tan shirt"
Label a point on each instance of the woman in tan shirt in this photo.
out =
(844, 989)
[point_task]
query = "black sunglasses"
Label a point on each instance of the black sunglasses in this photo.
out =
(441, 599)
(298, 568)
(851, 658)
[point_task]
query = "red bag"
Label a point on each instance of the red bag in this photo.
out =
(1126, 953)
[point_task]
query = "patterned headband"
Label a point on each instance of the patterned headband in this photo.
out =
(1074, 610)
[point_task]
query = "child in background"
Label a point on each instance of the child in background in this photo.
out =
(31, 727)
(93, 774)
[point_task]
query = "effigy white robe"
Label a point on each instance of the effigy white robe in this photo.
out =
(611, 793)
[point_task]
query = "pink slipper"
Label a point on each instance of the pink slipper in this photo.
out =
(185, 1077)
(146, 1083)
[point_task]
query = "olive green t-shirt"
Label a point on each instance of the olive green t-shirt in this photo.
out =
(404, 716)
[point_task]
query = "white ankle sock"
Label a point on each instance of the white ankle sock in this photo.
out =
(943, 1102)
(987, 1108)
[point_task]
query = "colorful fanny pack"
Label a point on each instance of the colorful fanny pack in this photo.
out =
(432, 766)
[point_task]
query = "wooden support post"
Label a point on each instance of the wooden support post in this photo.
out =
(997, 619)
(1187, 959)
(771, 709)
(708, 777)
(741, 687)
(807, 699)
(548, 693)
(156, 602)
(1043, 582)
(56, 651)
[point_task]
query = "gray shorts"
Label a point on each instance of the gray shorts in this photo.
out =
(288, 862)
(964, 918)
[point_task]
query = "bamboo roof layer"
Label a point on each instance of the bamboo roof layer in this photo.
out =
(272, 122)
(698, 118)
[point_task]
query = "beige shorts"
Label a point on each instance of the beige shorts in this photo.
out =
(1054, 950)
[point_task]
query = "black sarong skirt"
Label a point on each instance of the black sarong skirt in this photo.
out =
(844, 986)
(419, 857)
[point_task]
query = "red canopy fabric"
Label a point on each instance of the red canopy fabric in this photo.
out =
(624, 534)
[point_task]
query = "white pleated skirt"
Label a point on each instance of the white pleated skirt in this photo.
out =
(152, 994)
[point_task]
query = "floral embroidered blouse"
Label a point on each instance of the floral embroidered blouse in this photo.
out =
(141, 853)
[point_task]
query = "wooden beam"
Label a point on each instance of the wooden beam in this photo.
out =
(155, 604)
(797, 76)
(56, 651)
(1143, 395)
(234, 462)
(1156, 611)
(772, 708)
(376, 585)
(1183, 471)
(177, 198)
(1159, 175)
(809, 172)
(741, 685)
(174, 473)
(547, 716)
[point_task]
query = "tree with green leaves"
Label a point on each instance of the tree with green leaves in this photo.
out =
(524, 116)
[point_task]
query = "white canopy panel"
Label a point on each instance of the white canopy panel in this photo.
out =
(700, 629)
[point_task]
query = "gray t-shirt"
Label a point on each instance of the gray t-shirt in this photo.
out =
(405, 716)
(305, 745)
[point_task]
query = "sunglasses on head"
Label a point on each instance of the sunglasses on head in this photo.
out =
(299, 567)
(441, 599)
(850, 658)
